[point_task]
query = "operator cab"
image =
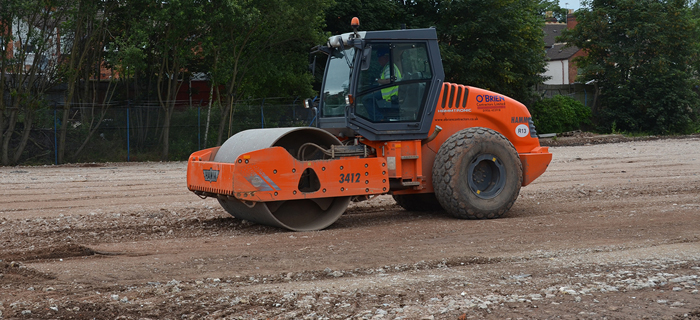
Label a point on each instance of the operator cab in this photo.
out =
(383, 85)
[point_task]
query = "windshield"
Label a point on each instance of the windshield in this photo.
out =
(337, 83)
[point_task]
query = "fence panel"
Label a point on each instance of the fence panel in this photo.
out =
(133, 131)
(585, 93)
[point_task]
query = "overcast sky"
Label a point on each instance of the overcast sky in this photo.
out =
(570, 4)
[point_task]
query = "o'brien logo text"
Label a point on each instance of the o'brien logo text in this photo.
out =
(487, 102)
(489, 98)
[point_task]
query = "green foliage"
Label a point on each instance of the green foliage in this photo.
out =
(264, 51)
(552, 6)
(559, 114)
(492, 44)
(496, 45)
(373, 15)
(642, 55)
(27, 33)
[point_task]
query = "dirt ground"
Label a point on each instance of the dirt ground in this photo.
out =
(610, 231)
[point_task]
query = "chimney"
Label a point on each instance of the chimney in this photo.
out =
(571, 20)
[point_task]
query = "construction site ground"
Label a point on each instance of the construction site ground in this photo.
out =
(610, 231)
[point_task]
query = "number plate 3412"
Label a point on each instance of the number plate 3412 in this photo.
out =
(349, 178)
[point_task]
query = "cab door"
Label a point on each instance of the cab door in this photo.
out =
(396, 89)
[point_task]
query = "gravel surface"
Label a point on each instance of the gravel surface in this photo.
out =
(610, 231)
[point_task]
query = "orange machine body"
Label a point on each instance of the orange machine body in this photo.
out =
(272, 174)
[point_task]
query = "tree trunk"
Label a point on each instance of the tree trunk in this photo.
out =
(167, 77)
(230, 97)
(2, 130)
(212, 84)
(166, 134)
(64, 133)
(225, 109)
(7, 136)
(86, 35)
(594, 107)
(3, 107)
(169, 104)
(206, 128)
(103, 111)
(28, 119)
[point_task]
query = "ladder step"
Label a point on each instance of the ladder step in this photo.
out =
(410, 183)
(410, 157)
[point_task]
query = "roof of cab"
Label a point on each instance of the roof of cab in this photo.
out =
(387, 35)
(404, 34)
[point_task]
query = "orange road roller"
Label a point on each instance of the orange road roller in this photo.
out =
(387, 124)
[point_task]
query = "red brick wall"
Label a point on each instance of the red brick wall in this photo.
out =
(571, 21)
(573, 68)
(8, 46)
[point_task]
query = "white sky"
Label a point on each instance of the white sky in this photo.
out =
(570, 4)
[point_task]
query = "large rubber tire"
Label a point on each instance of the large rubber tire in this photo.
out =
(477, 174)
(418, 202)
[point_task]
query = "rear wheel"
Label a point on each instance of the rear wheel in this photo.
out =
(477, 174)
(418, 202)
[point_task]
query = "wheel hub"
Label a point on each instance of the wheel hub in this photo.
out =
(486, 176)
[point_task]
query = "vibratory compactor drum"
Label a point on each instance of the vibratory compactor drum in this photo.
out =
(297, 214)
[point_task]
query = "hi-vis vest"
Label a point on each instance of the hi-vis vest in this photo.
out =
(389, 92)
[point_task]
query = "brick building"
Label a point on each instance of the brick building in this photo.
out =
(561, 69)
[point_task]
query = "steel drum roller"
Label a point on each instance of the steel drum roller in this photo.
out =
(297, 215)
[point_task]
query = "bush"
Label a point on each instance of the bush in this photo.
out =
(559, 114)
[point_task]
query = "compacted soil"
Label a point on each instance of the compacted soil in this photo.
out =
(610, 231)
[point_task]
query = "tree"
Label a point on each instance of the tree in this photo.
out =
(131, 56)
(264, 51)
(552, 6)
(641, 55)
(161, 42)
(28, 67)
(497, 44)
(373, 15)
(493, 44)
(84, 36)
(177, 27)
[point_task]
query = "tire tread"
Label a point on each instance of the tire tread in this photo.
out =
(445, 173)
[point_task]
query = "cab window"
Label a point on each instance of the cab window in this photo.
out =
(337, 83)
(394, 87)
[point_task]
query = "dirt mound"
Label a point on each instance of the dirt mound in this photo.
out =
(13, 272)
(53, 252)
(578, 138)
